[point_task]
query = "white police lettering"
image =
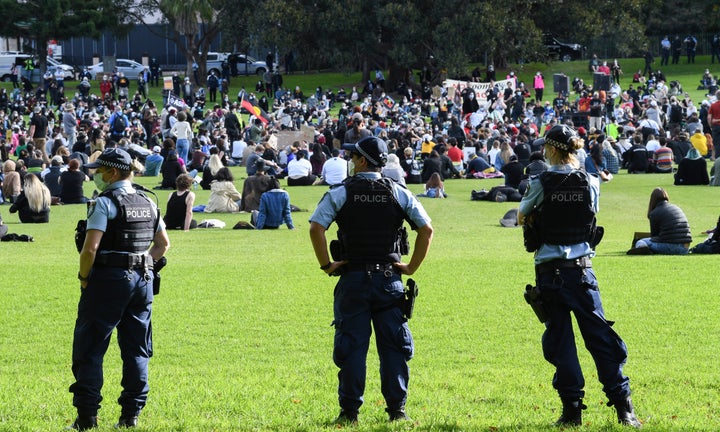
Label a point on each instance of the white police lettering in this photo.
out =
(137, 213)
(365, 198)
(567, 196)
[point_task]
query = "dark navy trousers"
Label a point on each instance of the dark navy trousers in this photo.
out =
(362, 298)
(576, 290)
(114, 298)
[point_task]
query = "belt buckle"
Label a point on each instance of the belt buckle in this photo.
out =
(388, 271)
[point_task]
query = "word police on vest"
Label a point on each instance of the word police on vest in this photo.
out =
(567, 196)
(370, 198)
(373, 149)
(136, 214)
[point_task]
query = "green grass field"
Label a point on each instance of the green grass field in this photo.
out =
(243, 341)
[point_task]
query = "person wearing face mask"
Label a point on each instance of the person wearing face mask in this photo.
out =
(369, 210)
(124, 239)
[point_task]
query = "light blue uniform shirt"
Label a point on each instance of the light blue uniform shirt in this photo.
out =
(333, 200)
(534, 196)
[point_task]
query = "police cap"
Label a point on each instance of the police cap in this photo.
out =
(113, 158)
(371, 148)
(562, 137)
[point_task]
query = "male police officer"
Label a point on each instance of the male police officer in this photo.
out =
(116, 280)
(369, 210)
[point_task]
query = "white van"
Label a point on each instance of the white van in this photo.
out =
(7, 60)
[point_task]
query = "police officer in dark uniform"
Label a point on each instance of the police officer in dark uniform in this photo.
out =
(559, 210)
(369, 210)
(154, 72)
(116, 280)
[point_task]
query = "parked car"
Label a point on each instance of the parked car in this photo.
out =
(7, 58)
(562, 50)
(247, 65)
(130, 68)
(214, 62)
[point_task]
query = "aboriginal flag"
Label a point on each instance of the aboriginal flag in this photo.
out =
(255, 110)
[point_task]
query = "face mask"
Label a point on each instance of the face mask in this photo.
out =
(99, 182)
(351, 168)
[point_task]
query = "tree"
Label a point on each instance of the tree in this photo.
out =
(194, 23)
(42, 20)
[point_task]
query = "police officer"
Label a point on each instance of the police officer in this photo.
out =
(116, 280)
(369, 210)
(560, 205)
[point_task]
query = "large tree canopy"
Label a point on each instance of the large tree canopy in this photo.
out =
(42, 20)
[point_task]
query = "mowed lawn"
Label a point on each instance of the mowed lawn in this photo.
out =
(243, 341)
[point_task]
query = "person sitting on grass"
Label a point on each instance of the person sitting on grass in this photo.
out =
(692, 170)
(274, 210)
(669, 228)
(300, 171)
(256, 185)
(180, 204)
(224, 198)
(434, 187)
(33, 203)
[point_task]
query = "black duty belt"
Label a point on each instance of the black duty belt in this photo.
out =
(551, 266)
(388, 269)
(124, 260)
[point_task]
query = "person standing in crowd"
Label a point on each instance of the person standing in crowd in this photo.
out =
(369, 211)
(665, 47)
(154, 72)
(563, 245)
(116, 291)
(713, 119)
(182, 131)
(39, 131)
(539, 86)
(669, 228)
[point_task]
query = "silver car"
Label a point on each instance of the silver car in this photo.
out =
(129, 68)
(247, 65)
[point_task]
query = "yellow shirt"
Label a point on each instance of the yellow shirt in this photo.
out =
(699, 141)
(427, 147)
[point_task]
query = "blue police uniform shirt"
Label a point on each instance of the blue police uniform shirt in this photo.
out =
(534, 196)
(333, 200)
(104, 209)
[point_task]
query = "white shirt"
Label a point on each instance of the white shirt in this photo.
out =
(652, 145)
(182, 130)
(334, 170)
(299, 168)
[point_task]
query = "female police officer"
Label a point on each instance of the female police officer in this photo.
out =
(369, 211)
(560, 207)
(116, 281)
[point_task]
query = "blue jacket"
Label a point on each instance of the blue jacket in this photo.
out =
(274, 210)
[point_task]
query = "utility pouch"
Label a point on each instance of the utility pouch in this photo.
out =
(411, 293)
(533, 296)
(337, 251)
(157, 266)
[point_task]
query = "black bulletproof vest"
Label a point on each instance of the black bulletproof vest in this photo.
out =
(369, 221)
(566, 216)
(133, 229)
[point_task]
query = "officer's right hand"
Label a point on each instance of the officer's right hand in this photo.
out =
(334, 266)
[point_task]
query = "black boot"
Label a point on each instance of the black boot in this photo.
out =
(346, 418)
(626, 413)
(397, 414)
(571, 413)
(82, 423)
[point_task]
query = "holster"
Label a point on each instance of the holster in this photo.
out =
(533, 296)
(157, 266)
(411, 293)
